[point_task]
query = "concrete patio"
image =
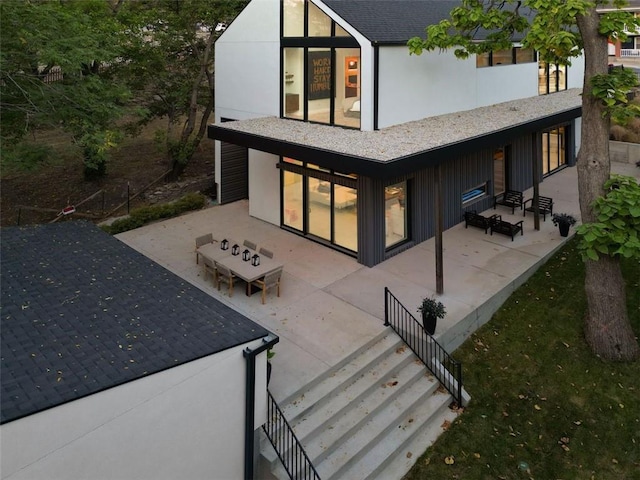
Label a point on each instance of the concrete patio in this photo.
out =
(330, 305)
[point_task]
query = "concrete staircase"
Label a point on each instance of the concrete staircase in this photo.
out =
(370, 417)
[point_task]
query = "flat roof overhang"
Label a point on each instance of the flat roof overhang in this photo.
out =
(404, 148)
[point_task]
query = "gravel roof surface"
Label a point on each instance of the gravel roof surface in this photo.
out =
(410, 138)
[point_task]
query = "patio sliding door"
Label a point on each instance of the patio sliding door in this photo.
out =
(320, 203)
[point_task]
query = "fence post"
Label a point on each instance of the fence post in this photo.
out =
(128, 199)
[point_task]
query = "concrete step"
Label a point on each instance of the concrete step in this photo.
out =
(320, 390)
(393, 455)
(383, 433)
(355, 420)
(381, 399)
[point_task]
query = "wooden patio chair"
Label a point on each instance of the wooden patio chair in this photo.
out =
(223, 274)
(202, 240)
(209, 268)
(270, 280)
(265, 252)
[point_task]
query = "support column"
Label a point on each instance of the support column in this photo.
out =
(439, 228)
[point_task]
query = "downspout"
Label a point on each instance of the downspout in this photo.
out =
(250, 401)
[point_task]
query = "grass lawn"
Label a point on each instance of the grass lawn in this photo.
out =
(543, 406)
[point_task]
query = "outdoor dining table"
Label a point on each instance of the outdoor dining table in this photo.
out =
(242, 269)
(245, 270)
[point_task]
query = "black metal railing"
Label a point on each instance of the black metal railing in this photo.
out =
(286, 444)
(447, 370)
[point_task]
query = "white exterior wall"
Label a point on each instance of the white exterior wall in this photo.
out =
(186, 422)
(436, 83)
(247, 68)
(575, 74)
(264, 186)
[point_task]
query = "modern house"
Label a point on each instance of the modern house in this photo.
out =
(114, 367)
(336, 133)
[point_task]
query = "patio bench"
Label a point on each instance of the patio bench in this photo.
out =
(545, 206)
(474, 219)
(507, 228)
(508, 198)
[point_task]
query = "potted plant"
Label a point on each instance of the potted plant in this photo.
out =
(563, 221)
(431, 310)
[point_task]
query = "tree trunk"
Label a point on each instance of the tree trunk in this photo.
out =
(607, 327)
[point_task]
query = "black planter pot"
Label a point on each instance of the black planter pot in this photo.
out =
(268, 372)
(564, 229)
(429, 323)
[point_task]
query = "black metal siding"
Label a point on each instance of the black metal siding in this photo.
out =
(234, 173)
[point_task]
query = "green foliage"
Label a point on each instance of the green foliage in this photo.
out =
(24, 156)
(432, 308)
(558, 218)
(538, 395)
(75, 38)
(613, 89)
(552, 32)
(170, 62)
(617, 230)
(144, 215)
(616, 24)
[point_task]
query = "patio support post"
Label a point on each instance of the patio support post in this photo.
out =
(536, 182)
(439, 266)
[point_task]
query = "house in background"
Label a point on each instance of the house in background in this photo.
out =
(336, 133)
(631, 47)
(114, 367)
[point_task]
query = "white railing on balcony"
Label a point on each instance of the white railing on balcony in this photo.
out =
(629, 52)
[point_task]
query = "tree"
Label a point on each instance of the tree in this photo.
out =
(73, 38)
(169, 66)
(559, 31)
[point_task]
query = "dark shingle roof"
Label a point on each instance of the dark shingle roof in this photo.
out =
(393, 21)
(82, 312)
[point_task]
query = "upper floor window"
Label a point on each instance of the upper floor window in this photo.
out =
(321, 74)
(510, 56)
(551, 78)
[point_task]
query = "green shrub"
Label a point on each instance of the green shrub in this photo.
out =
(144, 215)
(24, 156)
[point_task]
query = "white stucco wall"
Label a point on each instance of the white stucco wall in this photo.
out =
(184, 423)
(413, 87)
(247, 64)
(264, 186)
(247, 67)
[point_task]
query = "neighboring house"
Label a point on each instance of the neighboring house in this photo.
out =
(631, 47)
(340, 135)
(114, 367)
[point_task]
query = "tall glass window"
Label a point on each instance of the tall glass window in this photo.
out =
(293, 25)
(319, 22)
(554, 153)
(320, 83)
(395, 214)
(294, 82)
(499, 171)
(551, 78)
